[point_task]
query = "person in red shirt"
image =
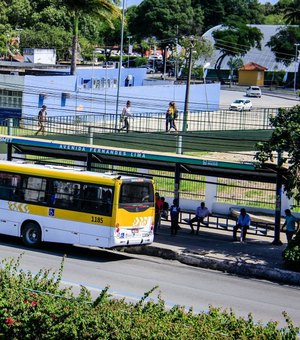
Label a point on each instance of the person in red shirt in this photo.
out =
(158, 209)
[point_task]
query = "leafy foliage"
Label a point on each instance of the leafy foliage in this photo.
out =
(35, 307)
(291, 254)
(292, 13)
(285, 139)
(165, 19)
(215, 12)
(235, 39)
(283, 45)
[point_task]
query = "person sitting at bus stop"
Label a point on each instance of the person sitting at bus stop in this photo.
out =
(165, 209)
(201, 212)
(243, 222)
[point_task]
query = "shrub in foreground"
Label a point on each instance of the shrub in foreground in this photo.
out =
(35, 307)
(291, 254)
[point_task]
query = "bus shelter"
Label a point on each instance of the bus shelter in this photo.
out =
(89, 156)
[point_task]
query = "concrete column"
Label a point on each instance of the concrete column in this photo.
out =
(211, 192)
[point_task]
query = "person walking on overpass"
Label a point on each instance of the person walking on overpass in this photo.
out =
(42, 118)
(125, 116)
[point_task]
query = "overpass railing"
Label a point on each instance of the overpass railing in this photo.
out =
(257, 119)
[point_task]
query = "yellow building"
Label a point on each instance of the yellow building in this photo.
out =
(252, 74)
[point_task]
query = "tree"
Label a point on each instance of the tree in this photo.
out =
(47, 37)
(235, 39)
(285, 140)
(165, 19)
(249, 11)
(199, 47)
(292, 13)
(94, 8)
(282, 45)
(234, 64)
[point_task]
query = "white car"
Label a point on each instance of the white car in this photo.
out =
(155, 57)
(241, 105)
(150, 70)
(253, 91)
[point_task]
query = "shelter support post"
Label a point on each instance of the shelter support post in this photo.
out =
(276, 240)
(89, 162)
(177, 181)
(9, 152)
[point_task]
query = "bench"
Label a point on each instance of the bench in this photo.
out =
(226, 222)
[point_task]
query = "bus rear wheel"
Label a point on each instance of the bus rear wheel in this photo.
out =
(31, 235)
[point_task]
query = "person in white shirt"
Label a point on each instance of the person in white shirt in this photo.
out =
(42, 118)
(201, 212)
(126, 114)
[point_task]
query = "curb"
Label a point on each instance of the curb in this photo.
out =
(232, 267)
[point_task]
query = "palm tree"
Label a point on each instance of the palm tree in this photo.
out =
(234, 64)
(104, 9)
(292, 13)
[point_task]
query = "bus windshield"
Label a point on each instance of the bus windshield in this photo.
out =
(137, 193)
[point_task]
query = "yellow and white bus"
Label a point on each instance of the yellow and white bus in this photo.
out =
(58, 204)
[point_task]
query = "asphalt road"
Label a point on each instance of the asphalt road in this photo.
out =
(130, 276)
(268, 99)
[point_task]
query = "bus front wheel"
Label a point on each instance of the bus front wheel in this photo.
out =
(31, 235)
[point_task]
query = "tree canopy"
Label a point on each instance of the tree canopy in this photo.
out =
(283, 46)
(285, 140)
(165, 19)
(235, 39)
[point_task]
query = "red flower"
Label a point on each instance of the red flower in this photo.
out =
(33, 303)
(9, 321)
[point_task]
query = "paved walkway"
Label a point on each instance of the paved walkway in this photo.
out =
(214, 249)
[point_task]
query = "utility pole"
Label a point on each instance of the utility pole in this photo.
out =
(296, 67)
(129, 37)
(276, 240)
(187, 90)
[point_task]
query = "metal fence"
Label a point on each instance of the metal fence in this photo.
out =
(192, 186)
(221, 120)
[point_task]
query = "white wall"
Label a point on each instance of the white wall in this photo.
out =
(93, 101)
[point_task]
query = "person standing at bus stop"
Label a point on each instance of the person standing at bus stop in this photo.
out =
(42, 118)
(289, 224)
(158, 209)
(125, 116)
(174, 213)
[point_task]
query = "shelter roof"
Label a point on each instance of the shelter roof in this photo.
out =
(139, 159)
(252, 67)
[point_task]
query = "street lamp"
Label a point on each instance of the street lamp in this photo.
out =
(129, 37)
(187, 90)
(120, 66)
(205, 67)
(296, 67)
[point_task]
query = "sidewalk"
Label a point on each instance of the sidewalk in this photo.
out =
(214, 249)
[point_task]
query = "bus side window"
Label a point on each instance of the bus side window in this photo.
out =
(107, 201)
(5, 189)
(90, 196)
(35, 188)
(76, 196)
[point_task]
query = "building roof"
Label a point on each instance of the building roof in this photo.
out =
(263, 57)
(252, 67)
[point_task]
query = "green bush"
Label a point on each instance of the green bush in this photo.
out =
(35, 307)
(291, 254)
